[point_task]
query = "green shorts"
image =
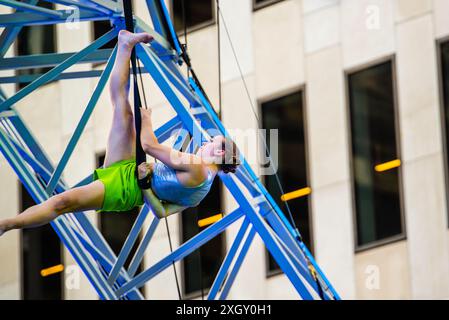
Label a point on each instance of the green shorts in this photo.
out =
(122, 193)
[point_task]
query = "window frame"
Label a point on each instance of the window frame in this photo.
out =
(274, 96)
(347, 73)
(444, 126)
(224, 248)
(265, 4)
(16, 53)
(200, 26)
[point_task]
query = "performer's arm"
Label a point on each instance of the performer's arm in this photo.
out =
(159, 208)
(173, 158)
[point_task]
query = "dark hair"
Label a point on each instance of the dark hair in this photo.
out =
(230, 159)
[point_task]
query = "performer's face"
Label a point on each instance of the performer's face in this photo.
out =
(213, 148)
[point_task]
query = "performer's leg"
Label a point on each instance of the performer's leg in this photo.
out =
(88, 197)
(121, 141)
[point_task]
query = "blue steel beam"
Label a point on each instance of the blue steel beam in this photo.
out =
(107, 264)
(303, 253)
(112, 6)
(171, 28)
(31, 8)
(81, 124)
(137, 227)
(182, 251)
(51, 60)
(162, 80)
(295, 276)
(36, 165)
(63, 76)
(171, 78)
(32, 19)
(27, 136)
(143, 52)
(160, 44)
(36, 191)
(128, 245)
(9, 34)
(138, 256)
(255, 179)
(77, 4)
(220, 277)
(162, 133)
(156, 18)
(82, 220)
(154, 67)
(284, 222)
(45, 176)
(237, 264)
(53, 73)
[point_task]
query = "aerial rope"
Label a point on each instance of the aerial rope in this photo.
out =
(140, 153)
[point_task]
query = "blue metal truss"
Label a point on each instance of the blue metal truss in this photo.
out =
(257, 211)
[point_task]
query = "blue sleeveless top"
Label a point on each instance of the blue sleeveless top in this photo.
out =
(166, 186)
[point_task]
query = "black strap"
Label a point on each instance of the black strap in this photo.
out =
(140, 154)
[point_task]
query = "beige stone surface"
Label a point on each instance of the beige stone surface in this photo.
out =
(383, 273)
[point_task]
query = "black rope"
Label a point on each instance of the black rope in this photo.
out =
(189, 70)
(173, 263)
(140, 154)
(298, 235)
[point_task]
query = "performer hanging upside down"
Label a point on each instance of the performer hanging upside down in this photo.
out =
(178, 181)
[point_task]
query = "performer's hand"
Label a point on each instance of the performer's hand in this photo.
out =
(143, 170)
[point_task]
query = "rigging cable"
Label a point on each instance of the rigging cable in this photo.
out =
(140, 154)
(299, 237)
(256, 116)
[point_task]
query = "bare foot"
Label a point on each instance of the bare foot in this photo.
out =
(129, 39)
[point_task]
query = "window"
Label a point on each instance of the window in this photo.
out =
(444, 62)
(259, 4)
(198, 13)
(375, 156)
(286, 114)
(41, 250)
(206, 260)
(38, 39)
(116, 227)
(100, 28)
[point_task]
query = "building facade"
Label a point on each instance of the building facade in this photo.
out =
(359, 90)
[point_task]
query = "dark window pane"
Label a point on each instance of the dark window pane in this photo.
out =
(115, 227)
(41, 249)
(212, 253)
(286, 115)
(37, 39)
(373, 129)
(445, 87)
(197, 12)
(100, 28)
